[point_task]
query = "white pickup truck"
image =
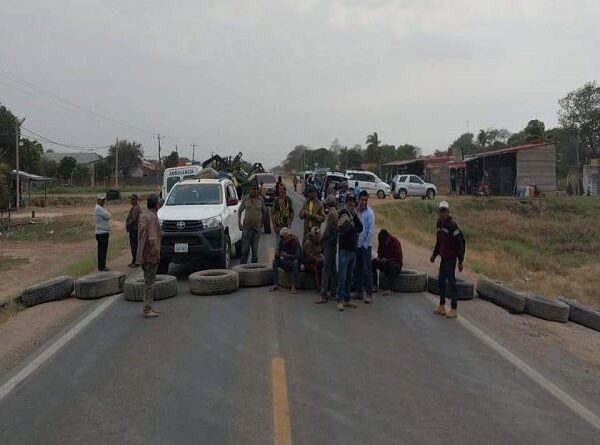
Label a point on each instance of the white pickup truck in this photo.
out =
(199, 222)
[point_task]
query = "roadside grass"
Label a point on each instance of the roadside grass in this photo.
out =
(549, 246)
(118, 245)
(8, 262)
(9, 310)
(63, 190)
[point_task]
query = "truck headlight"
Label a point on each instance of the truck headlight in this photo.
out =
(212, 222)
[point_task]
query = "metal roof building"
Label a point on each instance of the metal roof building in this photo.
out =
(432, 169)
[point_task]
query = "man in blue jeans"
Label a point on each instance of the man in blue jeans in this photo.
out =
(349, 226)
(450, 246)
(363, 272)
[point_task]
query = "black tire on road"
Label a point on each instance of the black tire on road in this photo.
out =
(305, 280)
(51, 290)
(214, 282)
(504, 297)
(465, 290)
(99, 285)
(267, 221)
(381, 194)
(410, 281)
(165, 287)
(541, 307)
(254, 274)
(224, 262)
(582, 315)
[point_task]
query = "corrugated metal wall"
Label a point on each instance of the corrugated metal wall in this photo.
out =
(537, 166)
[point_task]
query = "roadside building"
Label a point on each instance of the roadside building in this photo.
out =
(147, 169)
(25, 182)
(88, 159)
(506, 172)
(591, 177)
(432, 169)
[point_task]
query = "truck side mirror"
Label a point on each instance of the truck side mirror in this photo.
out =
(232, 202)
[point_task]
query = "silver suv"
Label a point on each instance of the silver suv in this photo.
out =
(412, 185)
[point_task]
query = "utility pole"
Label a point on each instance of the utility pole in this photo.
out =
(193, 152)
(176, 149)
(18, 142)
(117, 163)
(159, 137)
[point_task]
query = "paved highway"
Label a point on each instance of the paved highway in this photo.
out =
(256, 367)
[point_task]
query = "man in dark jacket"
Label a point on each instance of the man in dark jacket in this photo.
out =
(389, 260)
(287, 257)
(132, 222)
(449, 246)
(349, 226)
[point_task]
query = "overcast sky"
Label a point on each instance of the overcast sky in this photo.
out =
(263, 76)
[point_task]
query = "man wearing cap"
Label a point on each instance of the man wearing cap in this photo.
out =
(131, 224)
(329, 240)
(254, 210)
(287, 257)
(364, 274)
(148, 253)
(102, 221)
(312, 211)
(349, 226)
(450, 246)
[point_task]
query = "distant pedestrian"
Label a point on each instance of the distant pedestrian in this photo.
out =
(450, 246)
(349, 227)
(357, 189)
(254, 209)
(295, 181)
(389, 260)
(148, 253)
(312, 211)
(131, 224)
(312, 258)
(278, 185)
(282, 214)
(329, 240)
(363, 271)
(287, 257)
(102, 221)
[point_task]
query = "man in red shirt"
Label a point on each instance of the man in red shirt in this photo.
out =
(389, 260)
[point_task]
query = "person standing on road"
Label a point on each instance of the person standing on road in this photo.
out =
(389, 260)
(255, 210)
(295, 181)
(287, 257)
(364, 275)
(357, 189)
(132, 222)
(450, 246)
(329, 241)
(148, 253)
(312, 258)
(278, 185)
(102, 221)
(312, 212)
(282, 213)
(349, 226)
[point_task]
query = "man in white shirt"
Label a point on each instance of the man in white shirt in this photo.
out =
(364, 275)
(102, 221)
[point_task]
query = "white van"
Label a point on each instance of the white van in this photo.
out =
(368, 181)
(175, 174)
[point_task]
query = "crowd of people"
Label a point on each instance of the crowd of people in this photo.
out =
(335, 248)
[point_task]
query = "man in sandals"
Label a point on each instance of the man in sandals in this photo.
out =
(148, 254)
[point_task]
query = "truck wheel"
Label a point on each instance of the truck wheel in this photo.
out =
(267, 222)
(163, 266)
(224, 262)
(381, 194)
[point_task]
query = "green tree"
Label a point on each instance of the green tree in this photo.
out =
(4, 186)
(388, 153)
(464, 146)
(81, 175)
(374, 150)
(30, 156)
(103, 171)
(171, 160)
(580, 109)
(8, 125)
(49, 168)
(533, 132)
(407, 151)
(130, 157)
(66, 167)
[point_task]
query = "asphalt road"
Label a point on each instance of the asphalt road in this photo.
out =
(391, 372)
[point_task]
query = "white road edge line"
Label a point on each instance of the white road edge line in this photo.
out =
(575, 406)
(47, 353)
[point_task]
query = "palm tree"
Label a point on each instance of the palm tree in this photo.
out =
(373, 143)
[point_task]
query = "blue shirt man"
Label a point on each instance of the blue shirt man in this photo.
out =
(356, 189)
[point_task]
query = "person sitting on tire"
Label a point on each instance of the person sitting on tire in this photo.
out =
(450, 246)
(254, 209)
(312, 212)
(148, 254)
(312, 258)
(389, 260)
(287, 257)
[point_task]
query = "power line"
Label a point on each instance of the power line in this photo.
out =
(65, 145)
(55, 97)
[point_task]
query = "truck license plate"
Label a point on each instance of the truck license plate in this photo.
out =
(181, 248)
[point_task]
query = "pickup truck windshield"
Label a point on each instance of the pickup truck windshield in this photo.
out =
(195, 194)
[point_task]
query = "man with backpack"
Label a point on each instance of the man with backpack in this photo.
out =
(450, 246)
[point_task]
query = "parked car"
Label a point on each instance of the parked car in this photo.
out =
(199, 222)
(368, 181)
(329, 182)
(269, 180)
(412, 185)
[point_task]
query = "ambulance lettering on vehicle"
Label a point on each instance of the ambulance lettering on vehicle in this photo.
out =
(175, 174)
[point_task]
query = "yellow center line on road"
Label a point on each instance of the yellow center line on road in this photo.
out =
(282, 432)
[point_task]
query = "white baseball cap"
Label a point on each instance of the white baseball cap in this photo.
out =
(100, 196)
(444, 205)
